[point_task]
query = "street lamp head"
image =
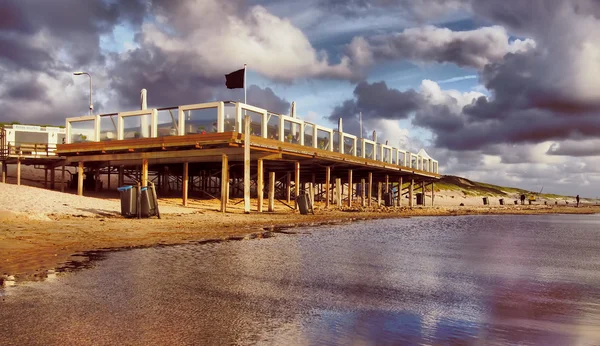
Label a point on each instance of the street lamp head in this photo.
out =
(79, 73)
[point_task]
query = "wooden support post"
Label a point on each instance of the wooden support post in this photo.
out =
(224, 182)
(370, 189)
(400, 192)
(271, 191)
(62, 179)
(387, 183)
(338, 192)
(52, 178)
(246, 164)
(349, 188)
(121, 177)
(144, 172)
(108, 178)
(432, 192)
(327, 185)
(296, 182)
(288, 186)
(80, 179)
(97, 179)
(19, 171)
(423, 192)
(379, 188)
(362, 193)
(260, 185)
(4, 172)
(311, 194)
(184, 182)
(45, 177)
(410, 193)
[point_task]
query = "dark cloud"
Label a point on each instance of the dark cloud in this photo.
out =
(267, 99)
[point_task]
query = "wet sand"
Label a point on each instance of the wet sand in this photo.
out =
(32, 247)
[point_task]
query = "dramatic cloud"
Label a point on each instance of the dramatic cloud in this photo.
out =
(474, 48)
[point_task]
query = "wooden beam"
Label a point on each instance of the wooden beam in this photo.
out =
(246, 164)
(423, 192)
(45, 177)
(185, 182)
(349, 188)
(327, 186)
(121, 177)
(338, 192)
(19, 171)
(370, 189)
(311, 194)
(145, 171)
(80, 178)
(271, 191)
(432, 192)
(400, 192)
(387, 183)
(97, 179)
(224, 182)
(379, 190)
(260, 185)
(296, 182)
(288, 186)
(410, 193)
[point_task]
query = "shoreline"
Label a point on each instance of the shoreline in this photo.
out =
(35, 248)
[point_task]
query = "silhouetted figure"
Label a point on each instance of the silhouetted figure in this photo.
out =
(522, 199)
(577, 198)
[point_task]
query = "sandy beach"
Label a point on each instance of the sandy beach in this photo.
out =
(43, 230)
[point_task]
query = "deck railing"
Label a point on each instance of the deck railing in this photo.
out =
(227, 116)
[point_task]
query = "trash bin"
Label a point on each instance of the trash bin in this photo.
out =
(516, 202)
(148, 203)
(388, 199)
(419, 198)
(304, 204)
(485, 201)
(128, 200)
(501, 200)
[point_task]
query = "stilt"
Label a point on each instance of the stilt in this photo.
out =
(184, 182)
(387, 183)
(19, 171)
(246, 164)
(288, 186)
(45, 177)
(410, 193)
(370, 190)
(52, 178)
(423, 193)
(327, 185)
(362, 193)
(62, 179)
(97, 179)
(400, 192)
(80, 179)
(296, 182)
(271, 191)
(379, 190)
(432, 192)
(349, 188)
(338, 192)
(4, 172)
(260, 185)
(121, 177)
(311, 193)
(145, 172)
(224, 182)
(108, 178)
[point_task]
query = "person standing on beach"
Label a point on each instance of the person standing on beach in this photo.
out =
(577, 199)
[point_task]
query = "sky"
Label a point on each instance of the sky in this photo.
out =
(504, 92)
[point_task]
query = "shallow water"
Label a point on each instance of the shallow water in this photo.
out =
(442, 280)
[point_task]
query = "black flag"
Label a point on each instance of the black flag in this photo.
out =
(235, 80)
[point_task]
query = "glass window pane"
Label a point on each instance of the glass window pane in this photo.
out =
(323, 140)
(273, 126)
(291, 132)
(369, 151)
(168, 122)
(308, 134)
(349, 144)
(82, 131)
(200, 121)
(108, 127)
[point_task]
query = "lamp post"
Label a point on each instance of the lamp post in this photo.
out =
(89, 75)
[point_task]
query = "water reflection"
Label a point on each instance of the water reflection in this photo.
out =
(455, 280)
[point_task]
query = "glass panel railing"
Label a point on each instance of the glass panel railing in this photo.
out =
(336, 141)
(229, 118)
(273, 126)
(199, 121)
(108, 127)
(369, 151)
(308, 134)
(83, 131)
(136, 126)
(378, 152)
(291, 132)
(359, 152)
(168, 122)
(349, 145)
(323, 139)
(394, 156)
(387, 154)
(255, 122)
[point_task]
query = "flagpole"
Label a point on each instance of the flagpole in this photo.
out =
(244, 83)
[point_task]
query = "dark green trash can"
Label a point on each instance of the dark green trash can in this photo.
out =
(128, 196)
(419, 199)
(304, 204)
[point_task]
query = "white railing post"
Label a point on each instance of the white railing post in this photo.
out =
(154, 123)
(221, 117)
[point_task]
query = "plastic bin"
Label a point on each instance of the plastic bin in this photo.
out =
(148, 201)
(304, 204)
(419, 198)
(128, 200)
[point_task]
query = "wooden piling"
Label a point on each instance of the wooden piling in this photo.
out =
(260, 185)
(45, 177)
(338, 192)
(145, 172)
(271, 206)
(224, 182)
(327, 185)
(185, 182)
(432, 192)
(52, 178)
(80, 178)
(370, 190)
(4, 172)
(350, 188)
(400, 192)
(19, 171)
(296, 182)
(362, 193)
(410, 193)
(288, 186)
(387, 183)
(62, 179)
(379, 191)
